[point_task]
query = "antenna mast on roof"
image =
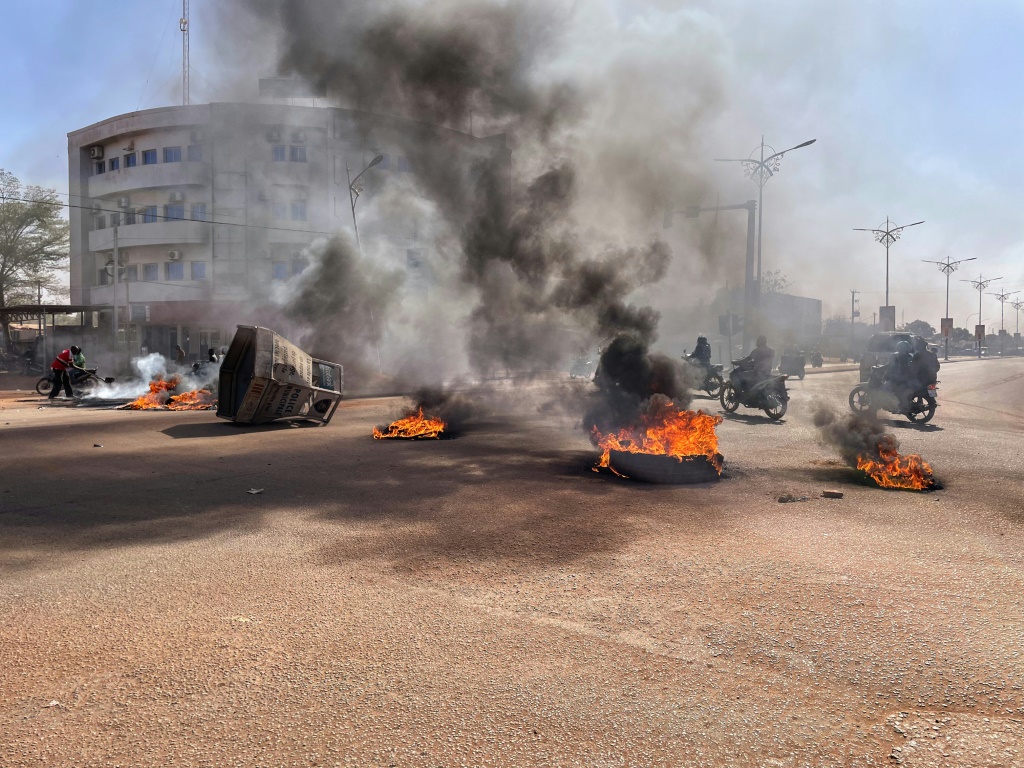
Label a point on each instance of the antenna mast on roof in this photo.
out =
(183, 26)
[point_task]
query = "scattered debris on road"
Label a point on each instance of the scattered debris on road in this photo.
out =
(832, 494)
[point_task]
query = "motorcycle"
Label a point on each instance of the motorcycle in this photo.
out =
(793, 365)
(876, 394)
(80, 381)
(817, 360)
(711, 377)
(769, 395)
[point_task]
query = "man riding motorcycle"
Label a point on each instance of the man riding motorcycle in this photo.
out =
(701, 353)
(757, 366)
(925, 364)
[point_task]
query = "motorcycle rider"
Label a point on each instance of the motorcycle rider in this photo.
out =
(701, 353)
(899, 373)
(925, 364)
(757, 366)
(60, 366)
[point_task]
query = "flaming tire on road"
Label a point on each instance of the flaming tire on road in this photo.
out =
(413, 427)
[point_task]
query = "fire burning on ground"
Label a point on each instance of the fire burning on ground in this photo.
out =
(866, 445)
(664, 430)
(415, 426)
(894, 471)
(159, 397)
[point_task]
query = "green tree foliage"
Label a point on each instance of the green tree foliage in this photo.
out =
(961, 335)
(773, 281)
(920, 328)
(33, 243)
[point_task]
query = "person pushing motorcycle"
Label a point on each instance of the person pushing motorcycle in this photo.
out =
(61, 367)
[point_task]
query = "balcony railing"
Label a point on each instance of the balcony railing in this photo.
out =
(176, 232)
(125, 180)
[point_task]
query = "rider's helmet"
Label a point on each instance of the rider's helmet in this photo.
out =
(702, 339)
(76, 350)
(762, 341)
(903, 348)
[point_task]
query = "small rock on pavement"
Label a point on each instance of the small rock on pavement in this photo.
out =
(832, 494)
(786, 498)
(96, 445)
(254, 491)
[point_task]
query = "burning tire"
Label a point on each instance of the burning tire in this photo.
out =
(727, 397)
(921, 410)
(775, 406)
(860, 402)
(665, 470)
(713, 385)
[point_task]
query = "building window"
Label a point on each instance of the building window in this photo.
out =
(195, 153)
(129, 217)
(198, 211)
(149, 157)
(174, 270)
(139, 313)
(130, 160)
(115, 219)
(100, 222)
(299, 266)
(172, 154)
(279, 210)
(100, 167)
(150, 272)
(280, 270)
(299, 210)
(277, 153)
(149, 214)
(297, 154)
(174, 212)
(115, 163)
(131, 273)
(198, 270)
(102, 278)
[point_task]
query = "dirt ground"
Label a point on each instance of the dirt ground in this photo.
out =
(490, 601)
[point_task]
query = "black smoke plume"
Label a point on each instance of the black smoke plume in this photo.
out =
(853, 435)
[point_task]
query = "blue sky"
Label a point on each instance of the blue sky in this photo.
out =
(916, 107)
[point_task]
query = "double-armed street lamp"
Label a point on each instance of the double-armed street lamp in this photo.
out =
(759, 169)
(981, 284)
(948, 267)
(1001, 297)
(888, 235)
(1018, 306)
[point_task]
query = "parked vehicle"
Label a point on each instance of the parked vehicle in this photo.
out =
(793, 364)
(769, 395)
(880, 349)
(876, 394)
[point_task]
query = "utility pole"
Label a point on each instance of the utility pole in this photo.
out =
(114, 320)
(183, 26)
(1018, 306)
(947, 268)
(981, 284)
(1002, 296)
(853, 314)
(888, 235)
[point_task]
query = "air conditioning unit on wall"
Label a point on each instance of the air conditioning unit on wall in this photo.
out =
(122, 202)
(97, 207)
(177, 197)
(174, 255)
(298, 137)
(274, 135)
(196, 137)
(96, 153)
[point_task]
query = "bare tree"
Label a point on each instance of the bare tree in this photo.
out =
(773, 281)
(33, 244)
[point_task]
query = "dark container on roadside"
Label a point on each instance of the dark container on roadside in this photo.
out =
(264, 377)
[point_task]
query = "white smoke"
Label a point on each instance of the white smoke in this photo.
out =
(149, 368)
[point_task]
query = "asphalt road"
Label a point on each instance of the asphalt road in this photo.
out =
(488, 600)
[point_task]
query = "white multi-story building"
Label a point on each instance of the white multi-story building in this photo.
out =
(210, 204)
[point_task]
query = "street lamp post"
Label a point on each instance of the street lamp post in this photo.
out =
(981, 284)
(354, 190)
(1002, 296)
(887, 236)
(759, 170)
(948, 268)
(1018, 306)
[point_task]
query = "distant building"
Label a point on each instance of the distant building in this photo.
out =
(214, 204)
(784, 319)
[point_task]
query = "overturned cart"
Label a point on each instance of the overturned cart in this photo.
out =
(263, 377)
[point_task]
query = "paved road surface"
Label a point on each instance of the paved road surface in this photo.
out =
(490, 601)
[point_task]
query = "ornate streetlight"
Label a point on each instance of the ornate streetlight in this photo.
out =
(759, 169)
(981, 284)
(1001, 297)
(1018, 306)
(887, 236)
(948, 268)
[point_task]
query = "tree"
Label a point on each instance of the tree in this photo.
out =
(33, 243)
(961, 335)
(920, 328)
(773, 281)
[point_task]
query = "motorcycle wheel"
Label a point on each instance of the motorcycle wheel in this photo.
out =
(774, 406)
(44, 385)
(713, 385)
(921, 410)
(859, 400)
(727, 397)
(801, 375)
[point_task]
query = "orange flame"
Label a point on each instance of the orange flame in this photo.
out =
(667, 431)
(196, 400)
(159, 392)
(894, 471)
(416, 425)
